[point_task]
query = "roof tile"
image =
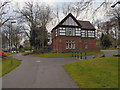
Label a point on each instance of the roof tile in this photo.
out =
(86, 25)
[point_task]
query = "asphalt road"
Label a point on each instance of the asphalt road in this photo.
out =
(36, 72)
(110, 52)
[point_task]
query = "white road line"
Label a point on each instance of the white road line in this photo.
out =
(37, 61)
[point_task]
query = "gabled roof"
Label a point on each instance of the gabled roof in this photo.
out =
(86, 25)
(81, 24)
(60, 24)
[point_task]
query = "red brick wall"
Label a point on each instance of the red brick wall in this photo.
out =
(59, 43)
(91, 44)
(53, 33)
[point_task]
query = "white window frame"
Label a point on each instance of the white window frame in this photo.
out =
(70, 44)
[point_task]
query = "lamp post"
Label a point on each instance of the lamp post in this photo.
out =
(11, 35)
(11, 41)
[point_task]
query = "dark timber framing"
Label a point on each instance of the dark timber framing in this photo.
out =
(75, 29)
(70, 29)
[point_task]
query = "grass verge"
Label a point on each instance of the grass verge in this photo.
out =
(94, 73)
(62, 55)
(6, 65)
(8, 53)
(23, 53)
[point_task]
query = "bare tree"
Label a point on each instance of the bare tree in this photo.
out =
(14, 35)
(115, 16)
(28, 15)
(36, 16)
(67, 8)
(3, 11)
(6, 33)
(5, 41)
(76, 8)
(104, 5)
(56, 14)
(45, 17)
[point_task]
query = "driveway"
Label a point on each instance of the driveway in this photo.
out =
(110, 52)
(36, 72)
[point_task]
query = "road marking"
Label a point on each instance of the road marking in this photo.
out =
(37, 61)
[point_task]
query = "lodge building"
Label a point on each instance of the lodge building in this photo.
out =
(73, 35)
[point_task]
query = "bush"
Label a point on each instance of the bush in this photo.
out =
(105, 41)
(46, 49)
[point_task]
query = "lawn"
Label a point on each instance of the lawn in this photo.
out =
(8, 53)
(23, 53)
(94, 73)
(7, 67)
(62, 55)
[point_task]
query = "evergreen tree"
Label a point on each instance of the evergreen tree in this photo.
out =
(105, 41)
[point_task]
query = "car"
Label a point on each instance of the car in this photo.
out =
(2, 52)
(13, 51)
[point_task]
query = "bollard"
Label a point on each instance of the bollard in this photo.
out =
(11, 59)
(72, 54)
(80, 55)
(75, 54)
(85, 55)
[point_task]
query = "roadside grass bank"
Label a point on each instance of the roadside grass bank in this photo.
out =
(8, 53)
(6, 65)
(94, 73)
(26, 52)
(62, 55)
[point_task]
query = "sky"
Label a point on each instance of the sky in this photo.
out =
(100, 15)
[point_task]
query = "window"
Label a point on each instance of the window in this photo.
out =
(56, 33)
(62, 31)
(83, 33)
(70, 31)
(77, 31)
(70, 44)
(67, 31)
(73, 29)
(91, 33)
(63, 34)
(73, 46)
(67, 44)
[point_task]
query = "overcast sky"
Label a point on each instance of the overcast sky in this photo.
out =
(100, 15)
